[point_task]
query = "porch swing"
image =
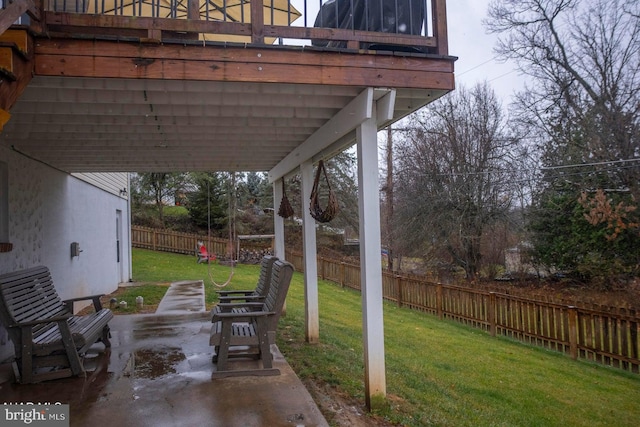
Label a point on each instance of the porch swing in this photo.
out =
(231, 234)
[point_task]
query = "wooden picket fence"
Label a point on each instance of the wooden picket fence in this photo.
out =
(607, 335)
(173, 241)
(163, 240)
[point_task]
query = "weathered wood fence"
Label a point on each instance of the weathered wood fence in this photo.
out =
(606, 335)
(173, 241)
(186, 243)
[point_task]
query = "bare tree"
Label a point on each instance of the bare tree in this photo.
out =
(583, 101)
(583, 57)
(388, 202)
(454, 176)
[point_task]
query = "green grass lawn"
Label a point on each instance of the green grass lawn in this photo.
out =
(438, 373)
(163, 267)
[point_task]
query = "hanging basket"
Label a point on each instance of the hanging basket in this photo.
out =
(285, 210)
(330, 212)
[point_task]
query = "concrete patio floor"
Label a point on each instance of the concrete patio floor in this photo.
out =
(158, 372)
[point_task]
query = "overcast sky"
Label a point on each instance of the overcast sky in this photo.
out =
(469, 41)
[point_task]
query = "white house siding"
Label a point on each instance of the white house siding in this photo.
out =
(113, 183)
(47, 211)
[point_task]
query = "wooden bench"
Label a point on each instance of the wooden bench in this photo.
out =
(48, 339)
(247, 330)
(249, 295)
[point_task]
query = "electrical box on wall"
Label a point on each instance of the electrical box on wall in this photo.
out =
(75, 249)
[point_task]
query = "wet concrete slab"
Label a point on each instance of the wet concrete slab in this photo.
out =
(158, 372)
(186, 296)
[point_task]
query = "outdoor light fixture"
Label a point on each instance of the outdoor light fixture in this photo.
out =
(75, 249)
(123, 192)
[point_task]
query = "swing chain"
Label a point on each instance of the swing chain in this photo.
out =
(217, 285)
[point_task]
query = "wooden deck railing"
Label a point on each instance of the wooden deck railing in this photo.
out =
(12, 11)
(285, 22)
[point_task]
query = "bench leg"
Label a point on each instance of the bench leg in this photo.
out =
(70, 348)
(106, 334)
(225, 342)
(16, 371)
(26, 356)
(265, 348)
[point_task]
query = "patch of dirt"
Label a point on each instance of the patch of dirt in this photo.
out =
(341, 410)
(154, 363)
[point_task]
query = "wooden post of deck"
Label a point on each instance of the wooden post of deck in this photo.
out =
(371, 261)
(193, 11)
(257, 21)
(439, 13)
(312, 322)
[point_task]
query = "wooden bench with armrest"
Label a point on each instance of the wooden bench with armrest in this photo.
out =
(49, 340)
(247, 330)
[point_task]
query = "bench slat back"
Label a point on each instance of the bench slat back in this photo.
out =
(264, 280)
(28, 295)
(281, 274)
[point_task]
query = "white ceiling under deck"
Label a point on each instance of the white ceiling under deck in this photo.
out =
(142, 125)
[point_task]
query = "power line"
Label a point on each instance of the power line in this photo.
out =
(477, 66)
(501, 76)
(610, 162)
(530, 170)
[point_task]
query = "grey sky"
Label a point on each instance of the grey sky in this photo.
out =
(470, 42)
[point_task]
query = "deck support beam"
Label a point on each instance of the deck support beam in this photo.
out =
(372, 109)
(312, 319)
(371, 260)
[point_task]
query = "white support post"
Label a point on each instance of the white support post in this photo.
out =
(371, 261)
(278, 221)
(312, 320)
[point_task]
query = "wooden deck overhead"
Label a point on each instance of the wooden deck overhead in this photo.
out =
(113, 93)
